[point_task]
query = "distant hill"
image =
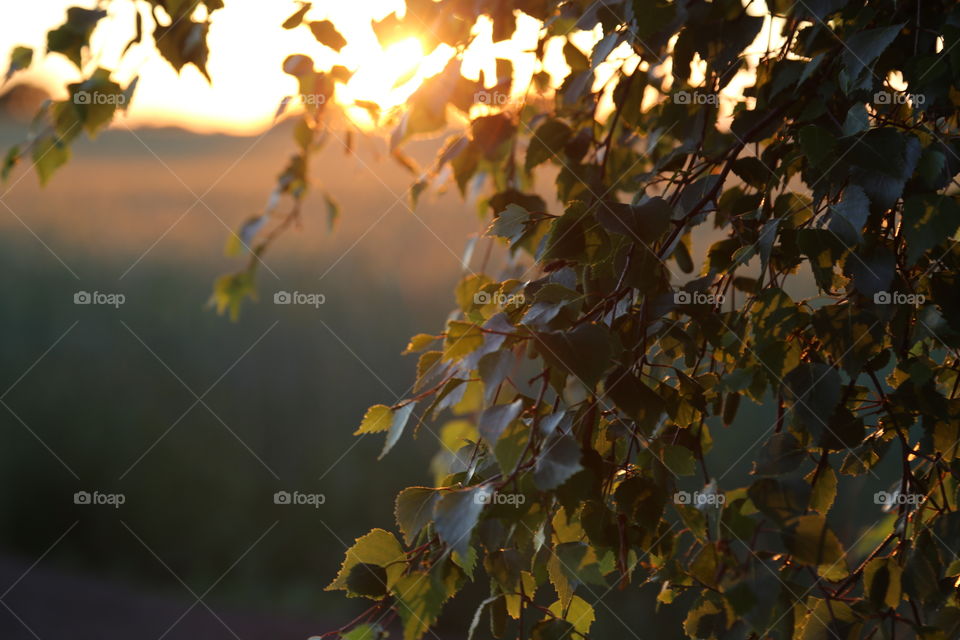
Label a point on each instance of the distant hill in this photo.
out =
(21, 101)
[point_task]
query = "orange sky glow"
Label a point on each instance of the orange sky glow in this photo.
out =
(247, 49)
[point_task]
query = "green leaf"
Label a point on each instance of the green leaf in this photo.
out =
(400, 418)
(376, 419)
(456, 514)
(368, 580)
(495, 420)
(429, 368)
(557, 462)
(49, 154)
(781, 454)
(92, 104)
(327, 35)
(379, 548)
(419, 342)
(414, 510)
(730, 406)
(752, 171)
(184, 42)
(511, 223)
(493, 135)
(811, 542)
(635, 398)
(462, 339)
(850, 215)
(679, 460)
(833, 620)
(511, 446)
(708, 618)
(814, 391)
(546, 142)
(20, 58)
(575, 58)
(824, 490)
(468, 289)
(493, 369)
(704, 565)
(73, 35)
(818, 145)
(584, 352)
(577, 612)
(568, 239)
(881, 582)
(365, 632)
(645, 222)
(421, 596)
(864, 47)
(884, 151)
(928, 221)
(780, 499)
(872, 269)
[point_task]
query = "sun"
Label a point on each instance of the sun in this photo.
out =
(388, 75)
(382, 71)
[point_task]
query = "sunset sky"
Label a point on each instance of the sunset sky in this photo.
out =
(248, 46)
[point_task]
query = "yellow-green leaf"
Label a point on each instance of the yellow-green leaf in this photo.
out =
(379, 548)
(377, 419)
(579, 613)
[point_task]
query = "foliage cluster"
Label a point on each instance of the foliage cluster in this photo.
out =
(589, 376)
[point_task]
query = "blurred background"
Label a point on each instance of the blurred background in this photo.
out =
(100, 397)
(197, 421)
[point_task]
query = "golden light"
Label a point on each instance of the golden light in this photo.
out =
(388, 76)
(248, 83)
